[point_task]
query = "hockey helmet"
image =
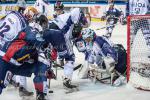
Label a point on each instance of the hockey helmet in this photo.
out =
(30, 12)
(111, 4)
(76, 30)
(42, 20)
(58, 6)
(88, 34)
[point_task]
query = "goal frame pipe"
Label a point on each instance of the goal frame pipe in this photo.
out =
(128, 47)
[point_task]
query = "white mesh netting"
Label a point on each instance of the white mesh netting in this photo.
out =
(139, 51)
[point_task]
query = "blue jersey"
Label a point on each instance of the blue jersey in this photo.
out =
(22, 46)
(113, 13)
(104, 47)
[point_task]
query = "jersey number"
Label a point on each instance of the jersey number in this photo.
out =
(4, 28)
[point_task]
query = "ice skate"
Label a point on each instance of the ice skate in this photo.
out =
(24, 92)
(69, 87)
(40, 96)
(13, 83)
(114, 77)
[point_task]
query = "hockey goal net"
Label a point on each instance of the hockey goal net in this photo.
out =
(138, 70)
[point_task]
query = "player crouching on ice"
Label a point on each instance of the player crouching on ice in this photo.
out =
(107, 56)
(20, 57)
(11, 25)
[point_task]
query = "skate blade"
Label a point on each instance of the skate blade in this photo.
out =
(27, 97)
(67, 91)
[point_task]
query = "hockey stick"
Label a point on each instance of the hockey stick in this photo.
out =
(96, 78)
(101, 28)
(75, 68)
(105, 27)
(49, 84)
(103, 80)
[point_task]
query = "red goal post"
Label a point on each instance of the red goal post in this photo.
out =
(138, 63)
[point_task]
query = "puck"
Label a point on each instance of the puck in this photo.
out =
(51, 91)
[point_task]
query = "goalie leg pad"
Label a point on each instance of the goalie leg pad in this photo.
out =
(84, 71)
(110, 64)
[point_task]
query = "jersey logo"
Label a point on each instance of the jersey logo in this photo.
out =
(10, 20)
(4, 28)
(138, 4)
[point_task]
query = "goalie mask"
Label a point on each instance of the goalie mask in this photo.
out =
(88, 35)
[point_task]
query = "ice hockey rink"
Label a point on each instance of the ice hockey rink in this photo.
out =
(87, 89)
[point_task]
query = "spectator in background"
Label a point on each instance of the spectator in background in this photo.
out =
(21, 5)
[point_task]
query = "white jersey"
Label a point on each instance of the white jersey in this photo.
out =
(42, 6)
(139, 7)
(10, 26)
(63, 19)
(72, 17)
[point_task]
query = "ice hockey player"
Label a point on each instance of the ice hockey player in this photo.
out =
(85, 48)
(112, 14)
(77, 18)
(140, 7)
(101, 51)
(12, 24)
(20, 57)
(58, 8)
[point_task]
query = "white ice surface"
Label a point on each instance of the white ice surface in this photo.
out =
(88, 90)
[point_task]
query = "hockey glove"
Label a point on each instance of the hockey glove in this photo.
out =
(53, 54)
(50, 74)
